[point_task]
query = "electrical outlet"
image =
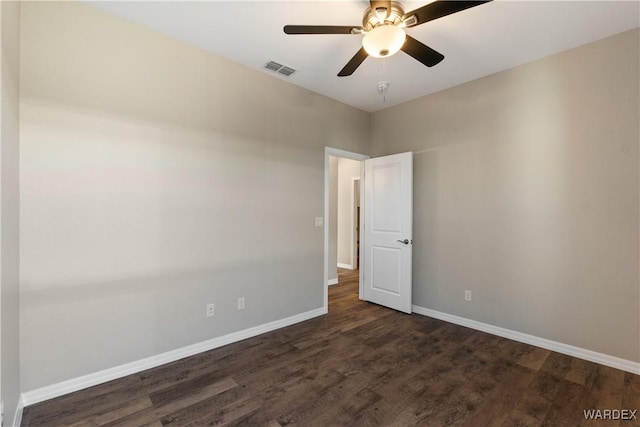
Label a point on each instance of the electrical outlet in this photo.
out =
(467, 295)
(241, 303)
(210, 310)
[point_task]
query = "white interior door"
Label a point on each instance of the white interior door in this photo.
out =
(388, 217)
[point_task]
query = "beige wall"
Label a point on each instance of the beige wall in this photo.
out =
(157, 178)
(9, 206)
(347, 170)
(526, 192)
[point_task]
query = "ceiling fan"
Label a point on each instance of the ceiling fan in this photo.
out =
(383, 26)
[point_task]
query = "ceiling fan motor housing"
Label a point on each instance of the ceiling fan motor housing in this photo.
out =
(372, 18)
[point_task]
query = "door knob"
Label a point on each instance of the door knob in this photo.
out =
(405, 241)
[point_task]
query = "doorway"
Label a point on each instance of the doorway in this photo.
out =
(386, 196)
(344, 198)
(349, 220)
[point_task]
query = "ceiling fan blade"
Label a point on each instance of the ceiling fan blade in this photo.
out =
(438, 9)
(354, 63)
(381, 4)
(320, 29)
(421, 52)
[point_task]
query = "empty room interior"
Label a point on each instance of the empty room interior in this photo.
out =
(213, 213)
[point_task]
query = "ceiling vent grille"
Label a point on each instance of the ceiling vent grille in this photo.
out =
(279, 68)
(272, 65)
(287, 71)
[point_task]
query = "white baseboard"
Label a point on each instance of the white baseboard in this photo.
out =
(347, 266)
(332, 282)
(17, 417)
(90, 380)
(581, 353)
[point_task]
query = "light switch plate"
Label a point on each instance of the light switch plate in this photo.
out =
(319, 221)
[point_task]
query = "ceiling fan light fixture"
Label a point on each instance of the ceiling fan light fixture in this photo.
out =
(384, 40)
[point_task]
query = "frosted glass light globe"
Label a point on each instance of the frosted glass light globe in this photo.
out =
(384, 40)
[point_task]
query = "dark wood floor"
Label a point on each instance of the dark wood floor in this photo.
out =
(361, 365)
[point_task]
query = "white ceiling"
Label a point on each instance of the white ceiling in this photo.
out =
(476, 42)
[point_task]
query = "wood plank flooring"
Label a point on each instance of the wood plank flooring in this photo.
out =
(361, 365)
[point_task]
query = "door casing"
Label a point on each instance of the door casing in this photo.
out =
(359, 157)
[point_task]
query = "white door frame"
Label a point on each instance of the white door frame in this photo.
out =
(336, 152)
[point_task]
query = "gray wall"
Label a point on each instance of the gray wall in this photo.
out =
(157, 178)
(9, 206)
(332, 263)
(526, 192)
